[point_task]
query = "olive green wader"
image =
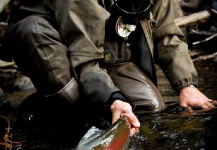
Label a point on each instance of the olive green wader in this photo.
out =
(51, 38)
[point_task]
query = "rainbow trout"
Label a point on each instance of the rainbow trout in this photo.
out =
(116, 137)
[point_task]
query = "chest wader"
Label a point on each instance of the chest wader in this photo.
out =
(129, 63)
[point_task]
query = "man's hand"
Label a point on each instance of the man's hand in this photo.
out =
(120, 108)
(191, 98)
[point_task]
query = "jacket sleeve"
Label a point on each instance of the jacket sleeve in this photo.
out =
(81, 25)
(96, 83)
(171, 52)
(82, 29)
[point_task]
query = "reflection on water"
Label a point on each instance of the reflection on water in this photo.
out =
(174, 128)
(177, 128)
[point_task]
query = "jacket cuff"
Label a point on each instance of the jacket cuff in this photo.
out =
(115, 96)
(70, 92)
(195, 84)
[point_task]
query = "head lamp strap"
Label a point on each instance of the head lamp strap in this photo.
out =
(133, 12)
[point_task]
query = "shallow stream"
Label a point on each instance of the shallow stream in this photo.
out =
(174, 128)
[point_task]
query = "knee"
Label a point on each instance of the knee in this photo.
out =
(30, 28)
(24, 28)
(152, 105)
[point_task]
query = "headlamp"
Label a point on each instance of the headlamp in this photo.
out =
(133, 6)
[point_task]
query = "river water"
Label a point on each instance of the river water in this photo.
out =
(175, 128)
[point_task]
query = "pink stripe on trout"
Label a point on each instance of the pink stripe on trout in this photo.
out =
(116, 137)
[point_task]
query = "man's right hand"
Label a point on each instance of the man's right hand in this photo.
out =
(120, 108)
(191, 98)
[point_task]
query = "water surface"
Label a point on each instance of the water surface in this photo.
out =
(175, 128)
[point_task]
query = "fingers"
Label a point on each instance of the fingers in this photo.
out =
(120, 108)
(116, 109)
(185, 105)
(133, 120)
(214, 102)
(115, 117)
(133, 131)
(135, 124)
(210, 104)
(189, 109)
(205, 107)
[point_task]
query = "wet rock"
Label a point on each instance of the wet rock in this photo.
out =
(11, 79)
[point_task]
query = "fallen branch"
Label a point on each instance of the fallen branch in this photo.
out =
(192, 19)
(205, 57)
(6, 64)
(205, 40)
(201, 32)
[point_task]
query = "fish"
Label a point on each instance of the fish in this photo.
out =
(115, 137)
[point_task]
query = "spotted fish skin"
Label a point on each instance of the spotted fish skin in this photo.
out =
(116, 137)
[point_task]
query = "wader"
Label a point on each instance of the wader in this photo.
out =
(62, 56)
(40, 54)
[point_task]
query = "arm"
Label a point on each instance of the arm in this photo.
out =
(99, 88)
(81, 25)
(175, 61)
(83, 32)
